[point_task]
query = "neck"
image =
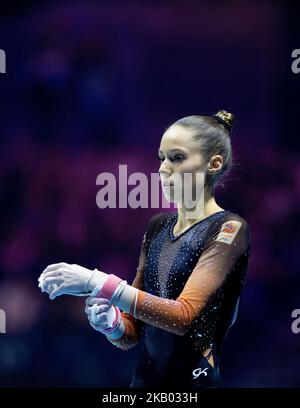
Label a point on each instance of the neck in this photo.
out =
(206, 209)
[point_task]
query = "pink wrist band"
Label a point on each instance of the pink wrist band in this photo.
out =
(109, 286)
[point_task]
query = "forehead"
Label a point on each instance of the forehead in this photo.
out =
(177, 138)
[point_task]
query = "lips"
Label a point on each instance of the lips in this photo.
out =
(168, 184)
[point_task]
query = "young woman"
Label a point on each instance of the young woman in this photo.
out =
(190, 274)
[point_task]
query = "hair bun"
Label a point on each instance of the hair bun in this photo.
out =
(225, 119)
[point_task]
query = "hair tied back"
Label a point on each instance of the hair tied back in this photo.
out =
(225, 119)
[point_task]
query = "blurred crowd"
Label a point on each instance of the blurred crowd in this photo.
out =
(90, 88)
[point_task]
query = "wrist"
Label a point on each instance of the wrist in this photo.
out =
(125, 298)
(108, 287)
(95, 282)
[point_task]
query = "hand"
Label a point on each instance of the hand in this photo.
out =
(70, 279)
(102, 316)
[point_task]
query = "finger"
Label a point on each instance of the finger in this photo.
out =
(99, 309)
(99, 301)
(53, 267)
(102, 308)
(93, 314)
(100, 319)
(95, 318)
(92, 321)
(96, 325)
(88, 309)
(55, 280)
(60, 290)
(41, 287)
(87, 300)
(58, 272)
(90, 318)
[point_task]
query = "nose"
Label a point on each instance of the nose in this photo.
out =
(165, 169)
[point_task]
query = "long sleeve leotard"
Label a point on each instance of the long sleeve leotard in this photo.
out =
(188, 288)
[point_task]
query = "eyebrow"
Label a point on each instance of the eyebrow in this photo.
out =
(173, 150)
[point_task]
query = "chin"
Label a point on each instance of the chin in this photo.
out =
(171, 197)
(168, 198)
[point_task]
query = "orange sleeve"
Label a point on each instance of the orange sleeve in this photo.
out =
(220, 255)
(130, 337)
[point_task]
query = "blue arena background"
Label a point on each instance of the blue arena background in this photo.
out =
(91, 85)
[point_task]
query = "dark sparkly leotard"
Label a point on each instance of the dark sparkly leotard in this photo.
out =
(189, 288)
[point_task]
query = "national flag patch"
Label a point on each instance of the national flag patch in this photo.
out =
(228, 231)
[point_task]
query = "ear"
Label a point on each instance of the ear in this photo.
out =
(215, 164)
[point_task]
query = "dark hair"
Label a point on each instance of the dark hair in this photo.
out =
(213, 135)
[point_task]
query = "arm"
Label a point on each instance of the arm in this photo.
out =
(129, 333)
(62, 278)
(226, 245)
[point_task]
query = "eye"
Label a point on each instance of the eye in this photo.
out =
(161, 159)
(178, 157)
